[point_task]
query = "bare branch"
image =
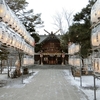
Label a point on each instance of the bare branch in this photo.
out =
(68, 16)
(63, 20)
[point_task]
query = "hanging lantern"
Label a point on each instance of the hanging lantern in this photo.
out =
(71, 61)
(14, 41)
(78, 62)
(2, 9)
(94, 12)
(1, 33)
(24, 32)
(17, 42)
(9, 42)
(96, 65)
(28, 61)
(14, 25)
(5, 37)
(93, 18)
(99, 66)
(32, 51)
(26, 37)
(17, 27)
(25, 48)
(23, 45)
(97, 10)
(72, 49)
(11, 21)
(7, 17)
(98, 33)
(19, 30)
(77, 48)
(94, 39)
(25, 61)
(98, 14)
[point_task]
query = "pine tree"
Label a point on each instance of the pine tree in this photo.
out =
(27, 17)
(80, 31)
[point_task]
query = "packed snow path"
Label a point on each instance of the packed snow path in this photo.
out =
(47, 84)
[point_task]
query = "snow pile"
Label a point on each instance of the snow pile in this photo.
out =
(28, 80)
(87, 84)
(19, 83)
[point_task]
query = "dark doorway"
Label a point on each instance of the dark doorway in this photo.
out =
(52, 60)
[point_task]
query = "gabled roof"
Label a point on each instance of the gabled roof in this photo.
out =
(49, 37)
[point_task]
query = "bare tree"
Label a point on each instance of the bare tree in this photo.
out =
(68, 17)
(58, 21)
(63, 20)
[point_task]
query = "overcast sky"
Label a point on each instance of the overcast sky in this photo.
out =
(49, 8)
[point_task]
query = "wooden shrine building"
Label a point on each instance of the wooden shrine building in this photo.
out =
(51, 52)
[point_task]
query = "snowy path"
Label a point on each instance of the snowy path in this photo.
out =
(48, 84)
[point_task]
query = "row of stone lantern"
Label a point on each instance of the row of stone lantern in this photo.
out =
(7, 16)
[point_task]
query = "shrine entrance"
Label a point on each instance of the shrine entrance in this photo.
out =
(52, 60)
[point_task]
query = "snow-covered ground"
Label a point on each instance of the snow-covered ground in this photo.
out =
(15, 83)
(87, 84)
(27, 80)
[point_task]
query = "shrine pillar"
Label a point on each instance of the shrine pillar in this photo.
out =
(63, 57)
(41, 56)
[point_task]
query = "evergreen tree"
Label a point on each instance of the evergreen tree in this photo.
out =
(64, 42)
(80, 31)
(28, 18)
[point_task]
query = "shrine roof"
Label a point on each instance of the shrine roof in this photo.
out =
(47, 37)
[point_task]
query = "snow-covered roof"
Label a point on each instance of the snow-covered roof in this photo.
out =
(43, 37)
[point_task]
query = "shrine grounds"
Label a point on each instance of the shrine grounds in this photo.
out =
(48, 82)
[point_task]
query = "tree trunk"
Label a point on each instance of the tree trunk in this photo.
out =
(1, 66)
(8, 67)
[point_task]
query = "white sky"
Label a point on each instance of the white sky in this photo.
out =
(49, 8)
